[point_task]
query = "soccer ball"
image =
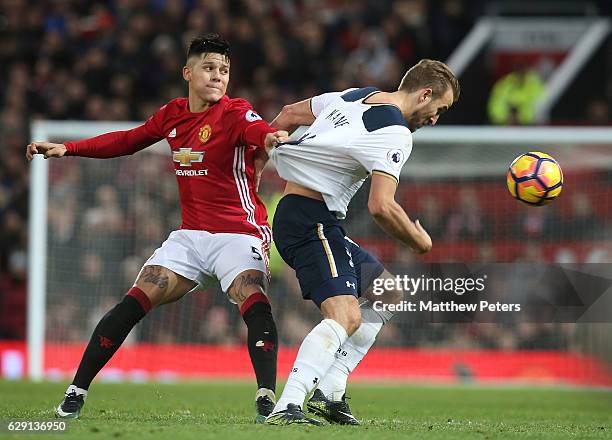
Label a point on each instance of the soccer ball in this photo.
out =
(535, 178)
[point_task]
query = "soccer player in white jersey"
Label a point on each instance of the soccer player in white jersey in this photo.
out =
(353, 135)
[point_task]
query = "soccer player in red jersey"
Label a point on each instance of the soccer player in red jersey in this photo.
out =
(215, 142)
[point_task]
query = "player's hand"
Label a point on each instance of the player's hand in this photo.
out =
(260, 160)
(273, 139)
(47, 149)
(422, 241)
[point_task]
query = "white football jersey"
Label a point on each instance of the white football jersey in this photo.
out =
(347, 142)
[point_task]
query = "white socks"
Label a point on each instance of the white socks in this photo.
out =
(315, 357)
(352, 351)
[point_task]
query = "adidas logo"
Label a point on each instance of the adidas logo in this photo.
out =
(172, 133)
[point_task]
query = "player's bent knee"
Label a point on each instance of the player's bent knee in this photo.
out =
(349, 321)
(343, 309)
(353, 322)
(155, 295)
(161, 285)
(246, 284)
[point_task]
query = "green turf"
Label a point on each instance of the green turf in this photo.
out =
(225, 411)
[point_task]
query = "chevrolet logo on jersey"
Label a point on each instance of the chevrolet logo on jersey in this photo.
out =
(185, 157)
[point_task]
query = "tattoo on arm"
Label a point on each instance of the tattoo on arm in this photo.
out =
(241, 285)
(153, 275)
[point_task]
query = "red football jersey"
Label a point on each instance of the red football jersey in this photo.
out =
(213, 157)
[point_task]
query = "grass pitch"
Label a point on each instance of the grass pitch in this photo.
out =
(226, 411)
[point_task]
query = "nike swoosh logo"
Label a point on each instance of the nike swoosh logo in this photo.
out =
(348, 415)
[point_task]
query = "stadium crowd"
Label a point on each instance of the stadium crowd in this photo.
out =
(121, 60)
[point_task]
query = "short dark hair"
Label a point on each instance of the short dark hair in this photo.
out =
(208, 43)
(431, 73)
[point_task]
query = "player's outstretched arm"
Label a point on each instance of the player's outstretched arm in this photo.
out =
(392, 218)
(107, 145)
(47, 149)
(294, 115)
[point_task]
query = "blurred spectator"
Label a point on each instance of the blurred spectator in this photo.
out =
(514, 97)
(372, 62)
(597, 112)
(486, 253)
(293, 328)
(533, 223)
(92, 273)
(598, 255)
(102, 227)
(469, 220)
(215, 327)
(104, 217)
(532, 253)
(565, 256)
(452, 22)
(431, 215)
(13, 297)
(582, 223)
(62, 319)
(12, 235)
(130, 267)
(540, 336)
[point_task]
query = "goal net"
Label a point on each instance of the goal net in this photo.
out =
(95, 222)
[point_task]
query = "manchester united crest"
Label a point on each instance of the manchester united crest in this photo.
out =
(205, 133)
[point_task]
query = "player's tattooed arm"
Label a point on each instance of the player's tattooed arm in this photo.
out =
(154, 275)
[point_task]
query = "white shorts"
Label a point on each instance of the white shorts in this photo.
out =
(201, 256)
